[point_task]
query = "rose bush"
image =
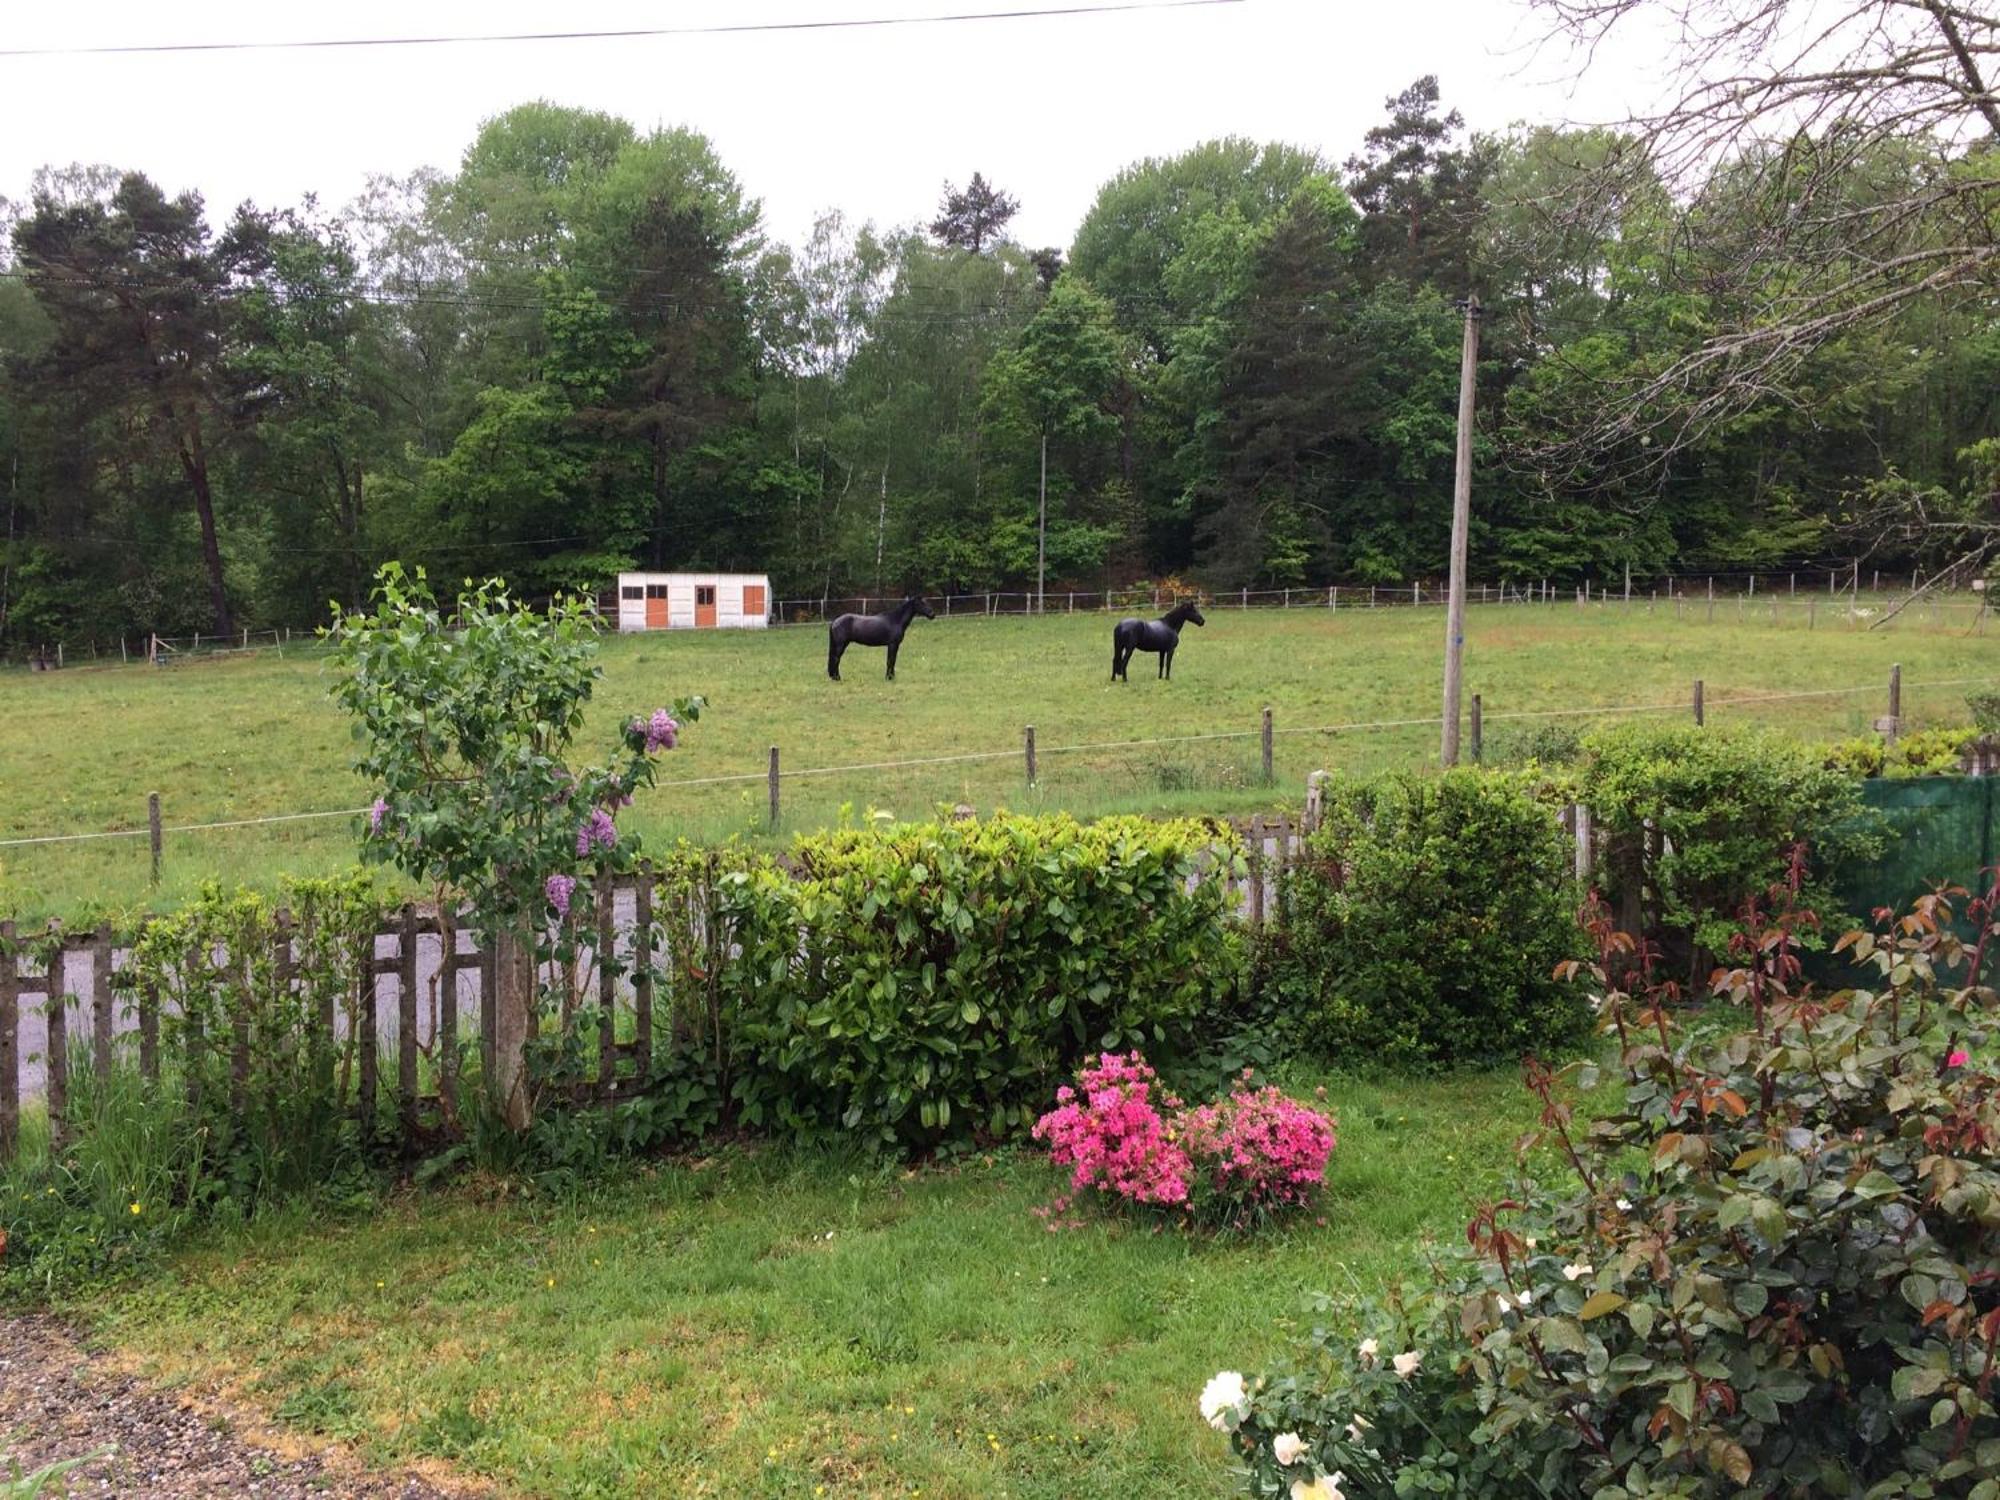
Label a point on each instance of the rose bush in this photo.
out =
(1774, 1273)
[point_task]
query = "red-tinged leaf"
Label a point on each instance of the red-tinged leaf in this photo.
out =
(1938, 1309)
(1733, 1102)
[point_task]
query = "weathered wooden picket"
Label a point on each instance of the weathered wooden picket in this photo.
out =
(73, 984)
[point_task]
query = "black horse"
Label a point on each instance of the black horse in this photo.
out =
(1162, 635)
(886, 629)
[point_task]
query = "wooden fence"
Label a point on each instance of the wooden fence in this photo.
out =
(60, 988)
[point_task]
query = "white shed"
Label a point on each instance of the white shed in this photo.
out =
(693, 601)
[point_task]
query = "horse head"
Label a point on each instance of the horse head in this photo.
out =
(1187, 611)
(921, 605)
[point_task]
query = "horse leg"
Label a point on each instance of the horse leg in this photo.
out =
(894, 647)
(1117, 660)
(834, 646)
(1167, 664)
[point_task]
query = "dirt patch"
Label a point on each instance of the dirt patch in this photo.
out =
(59, 1402)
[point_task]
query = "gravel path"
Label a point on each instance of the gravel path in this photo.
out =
(59, 1402)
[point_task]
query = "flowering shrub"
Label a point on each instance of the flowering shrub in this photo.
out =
(1774, 1273)
(1238, 1159)
(1258, 1150)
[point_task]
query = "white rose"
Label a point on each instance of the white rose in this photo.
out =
(1286, 1448)
(1578, 1271)
(1326, 1487)
(1223, 1394)
(1368, 1348)
(1359, 1425)
(1527, 1296)
(1408, 1364)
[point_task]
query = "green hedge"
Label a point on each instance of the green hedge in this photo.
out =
(936, 982)
(1697, 821)
(1426, 920)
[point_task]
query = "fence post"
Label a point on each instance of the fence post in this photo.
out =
(406, 1022)
(607, 987)
(772, 777)
(1246, 597)
(1028, 745)
(10, 1045)
(153, 830)
(1268, 777)
(55, 1053)
(1478, 746)
(1583, 859)
(1698, 718)
(1892, 726)
(1315, 802)
(100, 1001)
(1257, 870)
(123, 659)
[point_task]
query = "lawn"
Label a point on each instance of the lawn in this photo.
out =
(766, 1323)
(255, 736)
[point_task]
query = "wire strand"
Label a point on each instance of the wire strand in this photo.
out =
(632, 33)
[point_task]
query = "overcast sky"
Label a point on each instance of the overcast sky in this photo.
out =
(871, 121)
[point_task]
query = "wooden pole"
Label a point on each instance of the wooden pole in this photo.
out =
(1269, 779)
(153, 830)
(1042, 528)
(772, 777)
(1028, 746)
(1896, 693)
(1478, 738)
(1461, 521)
(10, 1045)
(1699, 718)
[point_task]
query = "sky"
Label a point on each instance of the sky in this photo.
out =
(871, 121)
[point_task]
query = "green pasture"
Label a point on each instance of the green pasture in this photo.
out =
(765, 1323)
(254, 735)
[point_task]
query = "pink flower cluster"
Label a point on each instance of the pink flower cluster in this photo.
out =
(1255, 1150)
(1112, 1138)
(1260, 1148)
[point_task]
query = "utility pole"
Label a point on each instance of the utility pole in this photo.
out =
(1042, 526)
(1461, 520)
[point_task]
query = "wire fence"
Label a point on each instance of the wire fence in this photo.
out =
(1029, 754)
(1684, 591)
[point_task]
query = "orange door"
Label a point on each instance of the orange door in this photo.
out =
(704, 606)
(656, 606)
(753, 601)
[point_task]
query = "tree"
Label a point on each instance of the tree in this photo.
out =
(1419, 192)
(134, 292)
(1064, 377)
(969, 220)
(1859, 178)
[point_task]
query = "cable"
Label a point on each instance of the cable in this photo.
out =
(1598, 711)
(623, 34)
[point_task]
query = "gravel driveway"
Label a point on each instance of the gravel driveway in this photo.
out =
(58, 1402)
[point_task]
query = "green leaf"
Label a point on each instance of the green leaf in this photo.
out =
(1600, 1305)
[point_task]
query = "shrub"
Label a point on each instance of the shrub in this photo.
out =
(1774, 1273)
(1695, 822)
(1985, 709)
(1926, 752)
(1232, 1162)
(1425, 918)
(934, 982)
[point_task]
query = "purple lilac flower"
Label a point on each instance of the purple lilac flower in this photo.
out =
(376, 814)
(560, 889)
(598, 830)
(662, 732)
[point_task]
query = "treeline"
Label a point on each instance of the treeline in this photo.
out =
(583, 350)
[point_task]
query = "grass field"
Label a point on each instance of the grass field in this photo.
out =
(254, 736)
(762, 1324)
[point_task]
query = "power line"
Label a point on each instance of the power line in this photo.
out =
(857, 23)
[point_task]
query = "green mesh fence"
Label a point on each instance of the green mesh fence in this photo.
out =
(1940, 831)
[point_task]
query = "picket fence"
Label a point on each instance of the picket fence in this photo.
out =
(66, 1003)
